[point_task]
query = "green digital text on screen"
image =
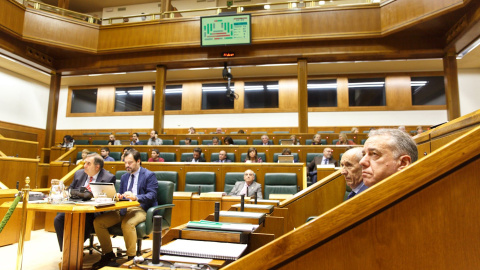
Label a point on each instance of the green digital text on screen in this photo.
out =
(226, 30)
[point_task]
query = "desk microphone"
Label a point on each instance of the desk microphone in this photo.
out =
(18, 184)
(242, 202)
(199, 190)
(157, 239)
(255, 198)
(217, 212)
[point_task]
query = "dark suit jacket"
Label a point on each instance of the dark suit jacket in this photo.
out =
(226, 160)
(269, 143)
(312, 166)
(136, 143)
(147, 186)
(200, 159)
(80, 177)
(254, 188)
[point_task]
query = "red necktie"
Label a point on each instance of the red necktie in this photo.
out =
(88, 185)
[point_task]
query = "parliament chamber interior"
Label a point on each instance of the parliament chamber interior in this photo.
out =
(206, 92)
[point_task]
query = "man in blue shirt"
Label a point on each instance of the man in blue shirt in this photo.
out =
(105, 152)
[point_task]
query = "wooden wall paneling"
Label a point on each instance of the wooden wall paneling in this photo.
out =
(240, 102)
(17, 169)
(342, 93)
(42, 175)
(11, 231)
(105, 101)
(17, 133)
(451, 85)
(288, 94)
(18, 148)
(59, 31)
(147, 99)
(181, 211)
(398, 92)
(12, 17)
(191, 97)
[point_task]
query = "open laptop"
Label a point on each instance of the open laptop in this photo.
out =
(285, 158)
(107, 188)
(286, 142)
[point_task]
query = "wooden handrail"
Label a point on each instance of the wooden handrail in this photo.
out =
(389, 191)
(17, 140)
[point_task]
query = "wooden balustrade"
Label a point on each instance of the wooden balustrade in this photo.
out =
(18, 148)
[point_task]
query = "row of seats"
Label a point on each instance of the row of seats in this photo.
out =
(172, 157)
(213, 132)
(275, 183)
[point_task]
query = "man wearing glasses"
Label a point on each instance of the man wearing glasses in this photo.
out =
(248, 187)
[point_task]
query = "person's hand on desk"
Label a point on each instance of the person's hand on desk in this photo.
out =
(127, 195)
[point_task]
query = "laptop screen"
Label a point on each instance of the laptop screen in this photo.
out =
(107, 188)
(285, 159)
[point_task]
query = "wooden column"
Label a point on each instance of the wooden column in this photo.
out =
(302, 75)
(64, 4)
(159, 113)
(52, 110)
(165, 5)
(451, 85)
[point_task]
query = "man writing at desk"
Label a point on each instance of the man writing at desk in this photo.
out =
(248, 187)
(138, 184)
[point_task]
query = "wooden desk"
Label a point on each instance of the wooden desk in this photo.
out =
(74, 229)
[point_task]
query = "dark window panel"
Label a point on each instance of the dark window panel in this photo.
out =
(214, 96)
(428, 90)
(128, 99)
(173, 98)
(261, 95)
(84, 101)
(366, 92)
(322, 93)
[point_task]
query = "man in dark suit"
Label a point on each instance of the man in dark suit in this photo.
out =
(135, 139)
(138, 184)
(93, 172)
(352, 171)
(247, 187)
(326, 159)
(197, 155)
(265, 140)
(222, 157)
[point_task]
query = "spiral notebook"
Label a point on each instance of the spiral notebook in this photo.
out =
(204, 249)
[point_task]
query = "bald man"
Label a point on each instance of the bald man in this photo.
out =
(248, 187)
(352, 171)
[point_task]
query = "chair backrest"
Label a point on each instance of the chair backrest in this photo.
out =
(366, 131)
(326, 131)
(275, 156)
(209, 142)
(81, 142)
(104, 133)
(258, 132)
(239, 141)
(311, 156)
(145, 142)
(230, 179)
(206, 180)
(194, 142)
(142, 133)
(167, 176)
(280, 183)
(234, 132)
(335, 141)
(119, 174)
(117, 183)
(281, 132)
(259, 141)
(116, 155)
(185, 157)
(243, 156)
(309, 141)
(363, 141)
(99, 142)
(123, 133)
(168, 157)
(214, 157)
(345, 131)
(167, 142)
(143, 156)
(200, 132)
(88, 133)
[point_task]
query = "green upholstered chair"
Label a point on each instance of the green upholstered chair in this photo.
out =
(234, 132)
(143, 156)
(164, 208)
(239, 141)
(214, 157)
(259, 141)
(168, 157)
(104, 133)
(275, 156)
(194, 142)
(145, 142)
(362, 142)
(311, 156)
(230, 179)
(82, 142)
(366, 131)
(99, 142)
(116, 155)
(88, 133)
(281, 132)
(187, 157)
(206, 180)
(142, 133)
(309, 141)
(123, 133)
(345, 131)
(335, 141)
(209, 142)
(167, 142)
(118, 176)
(200, 132)
(280, 183)
(171, 176)
(243, 156)
(258, 132)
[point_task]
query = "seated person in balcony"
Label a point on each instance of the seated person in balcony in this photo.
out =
(222, 157)
(352, 170)
(241, 131)
(113, 141)
(294, 139)
(68, 142)
(228, 140)
(265, 140)
(252, 156)
(288, 152)
(248, 187)
(154, 140)
(105, 152)
(318, 160)
(219, 131)
(402, 128)
(85, 152)
(135, 139)
(125, 150)
(354, 130)
(191, 130)
(188, 141)
(385, 152)
(214, 141)
(92, 172)
(317, 139)
(419, 129)
(156, 156)
(138, 184)
(343, 140)
(197, 155)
